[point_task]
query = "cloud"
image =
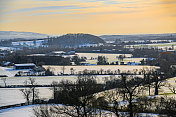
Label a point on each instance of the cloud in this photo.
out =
(50, 13)
(112, 12)
(44, 8)
(109, 1)
(168, 2)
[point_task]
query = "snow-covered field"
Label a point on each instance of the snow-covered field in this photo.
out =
(10, 96)
(122, 68)
(24, 111)
(92, 57)
(27, 111)
(156, 45)
(95, 55)
(46, 80)
(7, 48)
(41, 80)
(13, 95)
(36, 43)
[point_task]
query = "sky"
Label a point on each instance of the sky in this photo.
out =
(89, 16)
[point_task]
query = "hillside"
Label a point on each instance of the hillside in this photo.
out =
(139, 37)
(75, 40)
(21, 35)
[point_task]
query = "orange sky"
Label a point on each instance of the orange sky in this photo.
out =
(88, 16)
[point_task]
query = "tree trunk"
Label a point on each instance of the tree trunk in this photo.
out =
(131, 106)
(156, 88)
(116, 112)
(33, 95)
(78, 112)
(27, 100)
(149, 89)
(85, 114)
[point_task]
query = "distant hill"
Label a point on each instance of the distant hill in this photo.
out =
(139, 37)
(21, 35)
(81, 39)
(75, 40)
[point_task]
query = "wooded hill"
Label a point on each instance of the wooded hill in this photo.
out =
(74, 40)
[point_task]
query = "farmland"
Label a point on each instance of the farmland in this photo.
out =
(122, 68)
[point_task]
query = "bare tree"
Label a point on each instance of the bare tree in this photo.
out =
(58, 110)
(172, 88)
(27, 94)
(78, 95)
(75, 100)
(4, 80)
(113, 97)
(63, 69)
(147, 74)
(31, 91)
(158, 81)
(35, 92)
(130, 87)
(121, 57)
(43, 111)
(72, 70)
(101, 71)
(54, 89)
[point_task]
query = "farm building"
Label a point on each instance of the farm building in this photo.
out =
(24, 66)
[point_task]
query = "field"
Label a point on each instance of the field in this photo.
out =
(95, 55)
(27, 111)
(92, 57)
(159, 45)
(10, 96)
(123, 68)
(43, 80)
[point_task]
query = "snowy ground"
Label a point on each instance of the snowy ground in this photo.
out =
(10, 96)
(41, 80)
(47, 80)
(24, 111)
(27, 111)
(123, 68)
(92, 57)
